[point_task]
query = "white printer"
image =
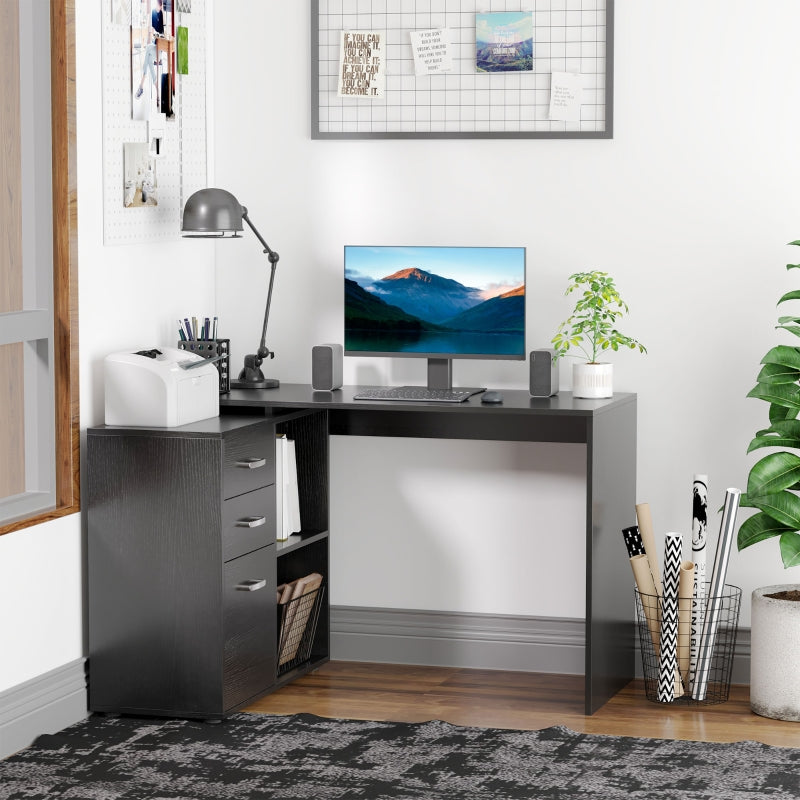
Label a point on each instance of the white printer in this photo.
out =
(162, 387)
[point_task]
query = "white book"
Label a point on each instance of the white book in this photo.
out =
(281, 533)
(292, 495)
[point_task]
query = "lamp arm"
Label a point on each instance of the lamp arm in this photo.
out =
(263, 351)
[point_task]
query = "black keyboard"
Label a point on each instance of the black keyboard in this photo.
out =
(418, 393)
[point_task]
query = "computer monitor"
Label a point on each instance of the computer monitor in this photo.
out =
(439, 303)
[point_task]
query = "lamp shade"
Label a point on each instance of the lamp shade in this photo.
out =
(212, 212)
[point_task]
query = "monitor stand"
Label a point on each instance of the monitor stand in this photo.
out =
(440, 376)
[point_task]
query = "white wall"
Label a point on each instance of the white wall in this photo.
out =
(129, 297)
(689, 207)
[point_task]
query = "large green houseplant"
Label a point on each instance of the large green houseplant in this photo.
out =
(591, 329)
(773, 487)
(774, 481)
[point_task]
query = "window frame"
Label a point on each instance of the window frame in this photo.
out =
(65, 366)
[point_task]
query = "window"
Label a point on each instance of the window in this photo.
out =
(39, 426)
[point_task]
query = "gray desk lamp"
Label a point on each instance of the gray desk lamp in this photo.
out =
(216, 213)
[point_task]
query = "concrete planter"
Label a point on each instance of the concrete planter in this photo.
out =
(775, 654)
(592, 380)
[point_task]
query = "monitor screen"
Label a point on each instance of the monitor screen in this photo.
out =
(435, 302)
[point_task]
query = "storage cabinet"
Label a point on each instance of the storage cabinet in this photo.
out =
(183, 563)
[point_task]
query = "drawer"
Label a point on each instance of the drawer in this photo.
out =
(248, 522)
(250, 624)
(249, 459)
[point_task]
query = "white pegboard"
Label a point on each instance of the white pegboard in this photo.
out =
(181, 165)
(569, 36)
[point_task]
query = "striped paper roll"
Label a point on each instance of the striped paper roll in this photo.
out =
(668, 663)
(699, 538)
(715, 589)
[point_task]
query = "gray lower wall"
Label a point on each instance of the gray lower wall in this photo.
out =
(479, 641)
(45, 704)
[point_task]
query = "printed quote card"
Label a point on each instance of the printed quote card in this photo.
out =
(361, 64)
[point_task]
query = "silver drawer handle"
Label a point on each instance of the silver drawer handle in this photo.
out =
(252, 463)
(251, 586)
(250, 522)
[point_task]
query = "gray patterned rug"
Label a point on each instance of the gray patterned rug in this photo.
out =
(305, 757)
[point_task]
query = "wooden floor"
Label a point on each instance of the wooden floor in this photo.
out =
(524, 700)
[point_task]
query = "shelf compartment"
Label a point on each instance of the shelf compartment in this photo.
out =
(297, 626)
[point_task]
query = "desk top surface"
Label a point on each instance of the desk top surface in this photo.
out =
(515, 401)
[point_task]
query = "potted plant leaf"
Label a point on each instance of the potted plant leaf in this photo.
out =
(591, 328)
(772, 489)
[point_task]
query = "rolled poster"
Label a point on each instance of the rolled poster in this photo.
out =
(699, 536)
(668, 663)
(685, 602)
(649, 539)
(727, 533)
(647, 596)
(633, 541)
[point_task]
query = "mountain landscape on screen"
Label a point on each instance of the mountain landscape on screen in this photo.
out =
(413, 310)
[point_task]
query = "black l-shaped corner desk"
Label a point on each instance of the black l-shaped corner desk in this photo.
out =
(607, 428)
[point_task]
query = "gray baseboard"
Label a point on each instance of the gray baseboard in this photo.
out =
(45, 704)
(477, 641)
(457, 639)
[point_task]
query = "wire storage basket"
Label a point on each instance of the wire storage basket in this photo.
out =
(703, 673)
(297, 625)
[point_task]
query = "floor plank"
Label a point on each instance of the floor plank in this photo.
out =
(521, 700)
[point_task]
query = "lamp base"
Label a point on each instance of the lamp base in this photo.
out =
(264, 383)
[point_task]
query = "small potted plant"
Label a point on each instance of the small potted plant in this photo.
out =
(772, 489)
(591, 329)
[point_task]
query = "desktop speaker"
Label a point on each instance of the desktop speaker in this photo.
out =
(326, 367)
(544, 373)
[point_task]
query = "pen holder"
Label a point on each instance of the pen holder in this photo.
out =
(211, 348)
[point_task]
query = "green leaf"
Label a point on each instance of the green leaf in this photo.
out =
(793, 295)
(783, 507)
(783, 354)
(772, 474)
(778, 373)
(773, 441)
(780, 413)
(790, 549)
(779, 394)
(757, 528)
(793, 329)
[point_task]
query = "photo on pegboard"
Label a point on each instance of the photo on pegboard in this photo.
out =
(152, 55)
(140, 186)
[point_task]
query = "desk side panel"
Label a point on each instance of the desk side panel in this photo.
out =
(611, 502)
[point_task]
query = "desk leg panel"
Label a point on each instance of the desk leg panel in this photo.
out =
(610, 507)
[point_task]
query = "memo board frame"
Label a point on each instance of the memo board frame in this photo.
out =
(569, 36)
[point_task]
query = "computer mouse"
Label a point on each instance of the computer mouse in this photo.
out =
(491, 397)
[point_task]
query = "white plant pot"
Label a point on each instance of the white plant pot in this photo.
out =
(775, 654)
(592, 380)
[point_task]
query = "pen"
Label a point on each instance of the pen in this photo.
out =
(188, 329)
(214, 334)
(180, 331)
(206, 329)
(194, 327)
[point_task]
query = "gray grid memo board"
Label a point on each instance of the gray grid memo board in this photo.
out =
(573, 36)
